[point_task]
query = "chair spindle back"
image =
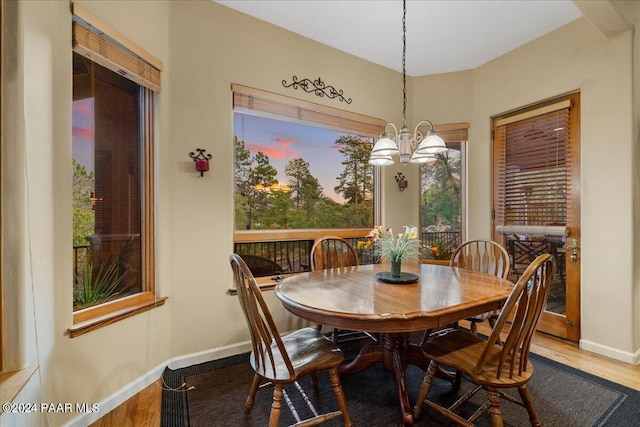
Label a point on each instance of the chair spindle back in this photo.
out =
(333, 252)
(264, 332)
(482, 255)
(523, 308)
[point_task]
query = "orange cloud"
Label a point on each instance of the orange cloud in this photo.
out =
(85, 133)
(284, 143)
(281, 151)
(83, 108)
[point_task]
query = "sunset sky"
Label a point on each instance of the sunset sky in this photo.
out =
(83, 132)
(284, 141)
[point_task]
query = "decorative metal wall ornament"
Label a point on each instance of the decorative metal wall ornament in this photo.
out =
(318, 87)
(401, 180)
(201, 160)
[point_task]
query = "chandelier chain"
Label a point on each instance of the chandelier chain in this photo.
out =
(402, 142)
(404, 54)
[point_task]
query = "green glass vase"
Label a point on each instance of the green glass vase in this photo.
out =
(395, 268)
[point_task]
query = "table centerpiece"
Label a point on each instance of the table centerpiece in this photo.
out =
(395, 248)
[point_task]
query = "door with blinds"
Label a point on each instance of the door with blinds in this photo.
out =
(536, 200)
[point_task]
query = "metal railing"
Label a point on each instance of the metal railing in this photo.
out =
(447, 241)
(287, 256)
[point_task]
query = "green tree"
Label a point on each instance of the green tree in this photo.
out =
(305, 189)
(83, 216)
(355, 183)
(441, 192)
(243, 188)
(262, 173)
(297, 170)
(327, 214)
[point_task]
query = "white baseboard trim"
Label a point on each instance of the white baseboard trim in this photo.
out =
(614, 353)
(140, 383)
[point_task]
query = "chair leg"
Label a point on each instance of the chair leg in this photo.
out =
(337, 390)
(274, 417)
(457, 381)
(474, 327)
(496, 413)
(425, 337)
(424, 389)
(528, 403)
(252, 393)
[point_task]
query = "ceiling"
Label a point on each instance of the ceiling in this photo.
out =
(442, 36)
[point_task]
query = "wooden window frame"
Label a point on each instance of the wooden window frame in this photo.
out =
(98, 316)
(280, 107)
(451, 133)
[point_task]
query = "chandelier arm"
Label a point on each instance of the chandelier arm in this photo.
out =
(395, 130)
(423, 122)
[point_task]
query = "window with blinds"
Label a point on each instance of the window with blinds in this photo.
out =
(533, 168)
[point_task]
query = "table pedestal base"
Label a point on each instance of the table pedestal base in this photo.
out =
(395, 352)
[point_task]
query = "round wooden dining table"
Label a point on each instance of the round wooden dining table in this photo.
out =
(353, 298)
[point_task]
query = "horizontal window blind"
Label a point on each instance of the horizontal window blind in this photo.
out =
(532, 166)
(255, 101)
(106, 47)
(450, 133)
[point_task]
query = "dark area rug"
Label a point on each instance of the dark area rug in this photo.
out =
(563, 396)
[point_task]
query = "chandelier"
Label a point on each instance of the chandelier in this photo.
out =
(392, 143)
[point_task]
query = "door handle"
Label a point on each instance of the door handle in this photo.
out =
(574, 250)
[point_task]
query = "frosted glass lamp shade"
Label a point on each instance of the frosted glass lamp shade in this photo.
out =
(432, 144)
(385, 147)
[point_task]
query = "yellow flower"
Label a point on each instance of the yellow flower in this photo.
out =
(364, 244)
(413, 233)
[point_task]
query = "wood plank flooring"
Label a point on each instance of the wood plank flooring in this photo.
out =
(143, 409)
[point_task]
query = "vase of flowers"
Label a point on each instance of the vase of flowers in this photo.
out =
(395, 247)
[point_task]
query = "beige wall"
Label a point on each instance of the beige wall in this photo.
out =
(206, 47)
(575, 57)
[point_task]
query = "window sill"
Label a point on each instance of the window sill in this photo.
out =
(264, 283)
(11, 383)
(115, 316)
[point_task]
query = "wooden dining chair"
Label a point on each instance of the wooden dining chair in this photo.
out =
(481, 255)
(330, 252)
(485, 256)
(494, 364)
(281, 360)
(333, 252)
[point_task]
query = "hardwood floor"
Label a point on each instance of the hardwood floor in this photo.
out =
(143, 409)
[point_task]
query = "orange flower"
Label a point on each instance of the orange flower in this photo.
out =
(435, 251)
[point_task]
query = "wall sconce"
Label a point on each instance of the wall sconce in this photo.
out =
(201, 159)
(402, 182)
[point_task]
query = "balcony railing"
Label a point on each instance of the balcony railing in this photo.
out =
(273, 257)
(447, 241)
(287, 256)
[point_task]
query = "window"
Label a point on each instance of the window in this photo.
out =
(114, 89)
(442, 196)
(301, 171)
